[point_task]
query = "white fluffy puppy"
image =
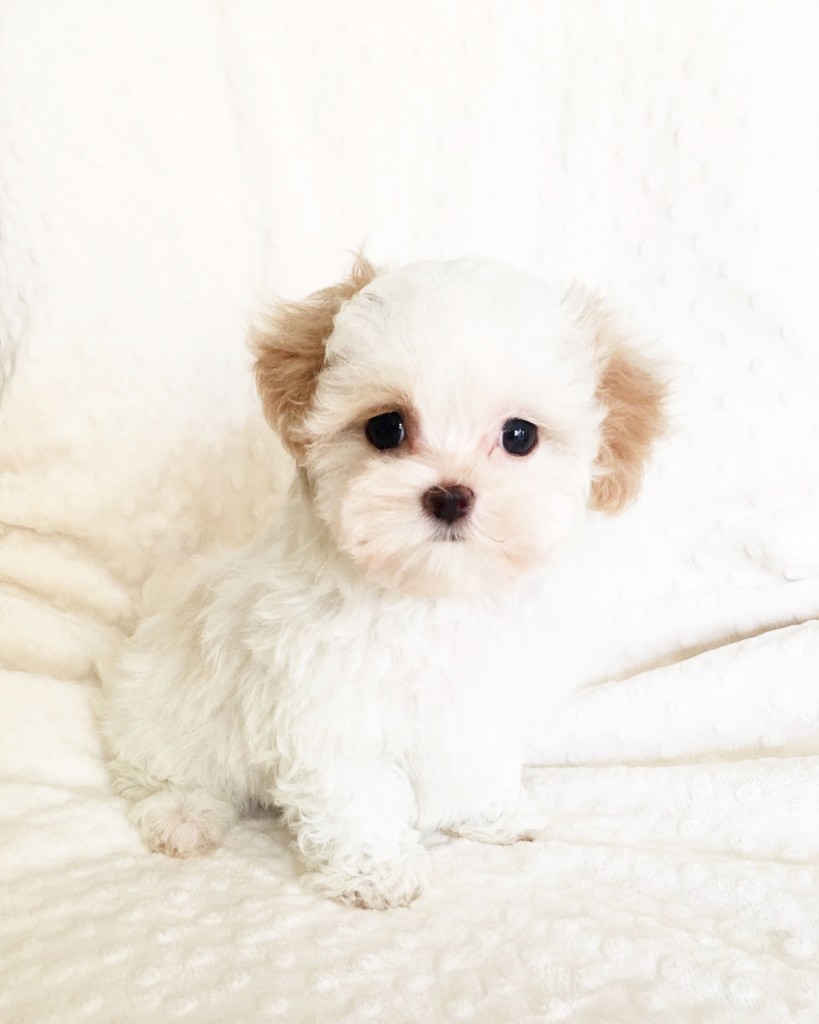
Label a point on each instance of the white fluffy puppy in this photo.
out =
(450, 423)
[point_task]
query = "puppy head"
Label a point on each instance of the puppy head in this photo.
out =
(453, 421)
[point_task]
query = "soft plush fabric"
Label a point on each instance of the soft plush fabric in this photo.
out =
(165, 168)
(679, 893)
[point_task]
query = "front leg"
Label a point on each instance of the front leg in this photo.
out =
(355, 831)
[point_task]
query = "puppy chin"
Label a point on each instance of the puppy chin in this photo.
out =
(444, 570)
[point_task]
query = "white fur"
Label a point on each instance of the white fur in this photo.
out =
(351, 668)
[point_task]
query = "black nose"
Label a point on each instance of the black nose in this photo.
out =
(448, 503)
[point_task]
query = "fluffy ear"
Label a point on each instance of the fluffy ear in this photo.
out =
(289, 348)
(632, 391)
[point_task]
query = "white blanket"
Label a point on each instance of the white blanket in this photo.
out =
(166, 166)
(665, 893)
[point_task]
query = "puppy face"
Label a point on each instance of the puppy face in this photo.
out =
(455, 420)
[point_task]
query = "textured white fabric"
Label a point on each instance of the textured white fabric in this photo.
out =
(682, 893)
(164, 167)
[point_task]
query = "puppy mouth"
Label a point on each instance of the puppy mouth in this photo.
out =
(449, 535)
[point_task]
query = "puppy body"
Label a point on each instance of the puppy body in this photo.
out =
(358, 667)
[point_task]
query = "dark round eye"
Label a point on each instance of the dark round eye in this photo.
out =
(518, 437)
(385, 431)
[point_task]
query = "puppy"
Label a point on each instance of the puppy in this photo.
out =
(451, 423)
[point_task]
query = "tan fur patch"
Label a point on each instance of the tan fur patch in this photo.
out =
(632, 392)
(289, 351)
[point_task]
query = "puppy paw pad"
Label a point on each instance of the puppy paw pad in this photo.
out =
(500, 833)
(379, 891)
(180, 825)
(184, 837)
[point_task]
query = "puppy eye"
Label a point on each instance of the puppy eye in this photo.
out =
(518, 437)
(385, 431)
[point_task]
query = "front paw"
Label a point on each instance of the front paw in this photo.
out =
(383, 885)
(182, 823)
(520, 824)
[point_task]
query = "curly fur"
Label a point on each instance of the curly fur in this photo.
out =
(354, 666)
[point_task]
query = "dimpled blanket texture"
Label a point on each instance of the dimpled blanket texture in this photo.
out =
(164, 167)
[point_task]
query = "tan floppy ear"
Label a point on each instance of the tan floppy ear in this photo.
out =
(289, 349)
(632, 391)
